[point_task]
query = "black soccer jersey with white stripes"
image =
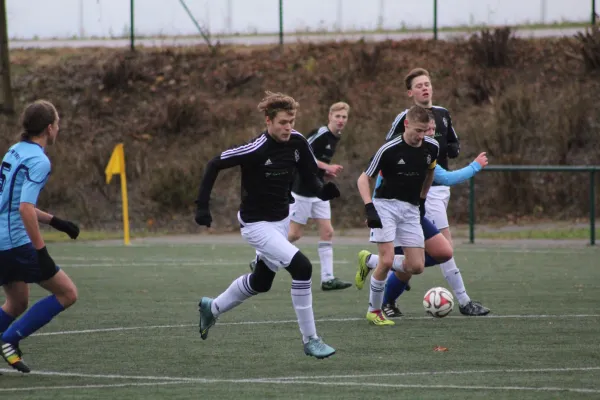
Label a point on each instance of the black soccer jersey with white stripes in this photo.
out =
(268, 169)
(323, 143)
(403, 168)
(444, 133)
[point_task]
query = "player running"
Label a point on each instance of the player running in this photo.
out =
(24, 257)
(406, 164)
(420, 89)
(268, 165)
(437, 247)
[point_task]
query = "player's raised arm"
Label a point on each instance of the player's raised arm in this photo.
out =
(451, 178)
(227, 159)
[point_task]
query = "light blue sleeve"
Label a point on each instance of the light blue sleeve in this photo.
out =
(35, 179)
(451, 178)
(378, 183)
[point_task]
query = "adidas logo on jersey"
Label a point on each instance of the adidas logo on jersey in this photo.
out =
(328, 147)
(268, 162)
(401, 162)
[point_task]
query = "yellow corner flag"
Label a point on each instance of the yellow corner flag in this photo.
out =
(116, 165)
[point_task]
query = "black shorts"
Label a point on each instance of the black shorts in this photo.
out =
(20, 264)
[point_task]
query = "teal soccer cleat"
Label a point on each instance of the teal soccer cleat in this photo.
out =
(207, 319)
(316, 348)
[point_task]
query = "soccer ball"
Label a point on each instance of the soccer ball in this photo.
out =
(438, 302)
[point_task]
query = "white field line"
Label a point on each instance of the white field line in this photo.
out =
(119, 264)
(71, 387)
(165, 380)
(293, 321)
(441, 387)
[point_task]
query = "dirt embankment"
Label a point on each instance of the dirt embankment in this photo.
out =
(522, 101)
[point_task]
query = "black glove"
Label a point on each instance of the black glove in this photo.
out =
(373, 220)
(67, 227)
(422, 207)
(453, 149)
(203, 217)
(328, 191)
(46, 263)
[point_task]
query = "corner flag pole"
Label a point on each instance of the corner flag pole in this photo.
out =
(116, 165)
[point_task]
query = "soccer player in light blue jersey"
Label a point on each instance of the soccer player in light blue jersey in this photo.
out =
(24, 258)
(437, 248)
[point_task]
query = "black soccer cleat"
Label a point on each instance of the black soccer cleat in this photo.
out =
(474, 309)
(13, 356)
(391, 310)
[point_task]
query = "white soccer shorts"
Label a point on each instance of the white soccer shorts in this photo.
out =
(401, 224)
(269, 239)
(436, 206)
(309, 207)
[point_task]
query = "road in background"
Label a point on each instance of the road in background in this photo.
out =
(274, 39)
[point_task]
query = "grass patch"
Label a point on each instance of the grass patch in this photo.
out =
(255, 350)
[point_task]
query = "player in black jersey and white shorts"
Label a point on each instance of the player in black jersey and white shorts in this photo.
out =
(323, 141)
(418, 84)
(307, 205)
(268, 164)
(394, 214)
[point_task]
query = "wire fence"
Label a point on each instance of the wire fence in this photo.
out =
(84, 19)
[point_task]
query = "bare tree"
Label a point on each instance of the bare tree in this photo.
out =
(7, 104)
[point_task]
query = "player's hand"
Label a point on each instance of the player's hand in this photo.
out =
(329, 175)
(333, 170)
(422, 208)
(329, 191)
(482, 160)
(68, 227)
(46, 263)
(373, 220)
(203, 217)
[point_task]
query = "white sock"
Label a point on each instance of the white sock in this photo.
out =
(397, 265)
(236, 293)
(455, 280)
(376, 295)
(302, 301)
(372, 261)
(326, 257)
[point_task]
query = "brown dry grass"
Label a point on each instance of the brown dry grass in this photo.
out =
(176, 108)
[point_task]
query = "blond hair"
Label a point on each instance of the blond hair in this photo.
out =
(418, 114)
(415, 73)
(339, 106)
(276, 102)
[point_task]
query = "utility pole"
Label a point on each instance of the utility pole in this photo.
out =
(7, 104)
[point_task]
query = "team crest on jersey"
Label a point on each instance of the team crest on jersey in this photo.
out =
(297, 155)
(445, 122)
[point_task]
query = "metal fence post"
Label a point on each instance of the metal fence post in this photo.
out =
(281, 23)
(592, 207)
(593, 12)
(435, 21)
(472, 210)
(132, 34)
